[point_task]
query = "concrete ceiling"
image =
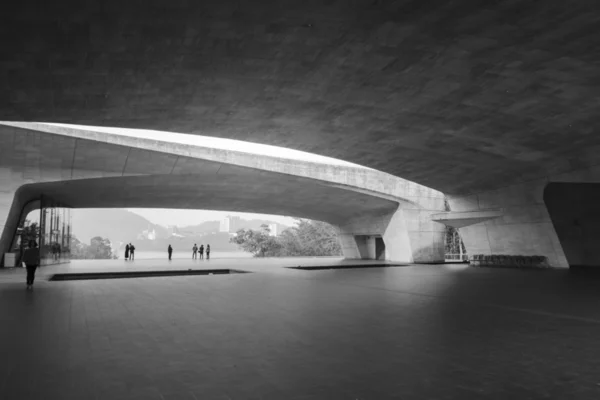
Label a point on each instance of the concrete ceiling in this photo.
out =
(461, 96)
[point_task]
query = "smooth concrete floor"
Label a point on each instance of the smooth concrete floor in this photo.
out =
(412, 332)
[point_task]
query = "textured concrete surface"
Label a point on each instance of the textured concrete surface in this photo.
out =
(463, 97)
(425, 332)
(84, 169)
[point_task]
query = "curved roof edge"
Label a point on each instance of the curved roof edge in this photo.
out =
(369, 180)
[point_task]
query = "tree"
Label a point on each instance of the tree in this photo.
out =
(308, 238)
(98, 249)
(30, 231)
(259, 243)
(78, 249)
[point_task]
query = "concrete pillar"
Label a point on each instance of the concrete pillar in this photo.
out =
(348, 244)
(357, 247)
(397, 241)
(10, 211)
(426, 237)
(370, 247)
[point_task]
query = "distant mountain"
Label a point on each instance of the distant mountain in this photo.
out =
(256, 223)
(205, 227)
(214, 226)
(121, 226)
(218, 242)
(116, 224)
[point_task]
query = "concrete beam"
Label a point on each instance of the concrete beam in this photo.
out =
(465, 218)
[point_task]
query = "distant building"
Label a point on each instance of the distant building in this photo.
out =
(224, 225)
(273, 230)
(230, 224)
(172, 230)
(149, 234)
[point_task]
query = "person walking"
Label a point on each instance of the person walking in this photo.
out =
(170, 251)
(127, 252)
(194, 252)
(31, 258)
(208, 251)
(131, 252)
(201, 251)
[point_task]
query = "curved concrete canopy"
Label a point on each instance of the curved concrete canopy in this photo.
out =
(91, 152)
(460, 96)
(87, 169)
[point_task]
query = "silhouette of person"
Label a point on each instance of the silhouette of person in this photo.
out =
(131, 251)
(194, 251)
(127, 248)
(170, 250)
(31, 258)
(201, 251)
(208, 251)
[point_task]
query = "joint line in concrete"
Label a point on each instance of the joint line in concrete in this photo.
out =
(174, 164)
(73, 160)
(126, 159)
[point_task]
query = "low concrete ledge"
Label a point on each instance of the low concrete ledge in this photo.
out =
(347, 266)
(140, 274)
(460, 219)
(510, 261)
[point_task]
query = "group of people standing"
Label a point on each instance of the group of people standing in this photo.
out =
(195, 251)
(200, 251)
(129, 252)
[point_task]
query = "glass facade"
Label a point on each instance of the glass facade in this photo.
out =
(49, 224)
(55, 232)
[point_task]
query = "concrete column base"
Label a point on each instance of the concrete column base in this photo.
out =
(409, 236)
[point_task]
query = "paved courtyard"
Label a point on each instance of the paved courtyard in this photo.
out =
(408, 332)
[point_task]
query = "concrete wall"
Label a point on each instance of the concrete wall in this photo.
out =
(574, 209)
(526, 226)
